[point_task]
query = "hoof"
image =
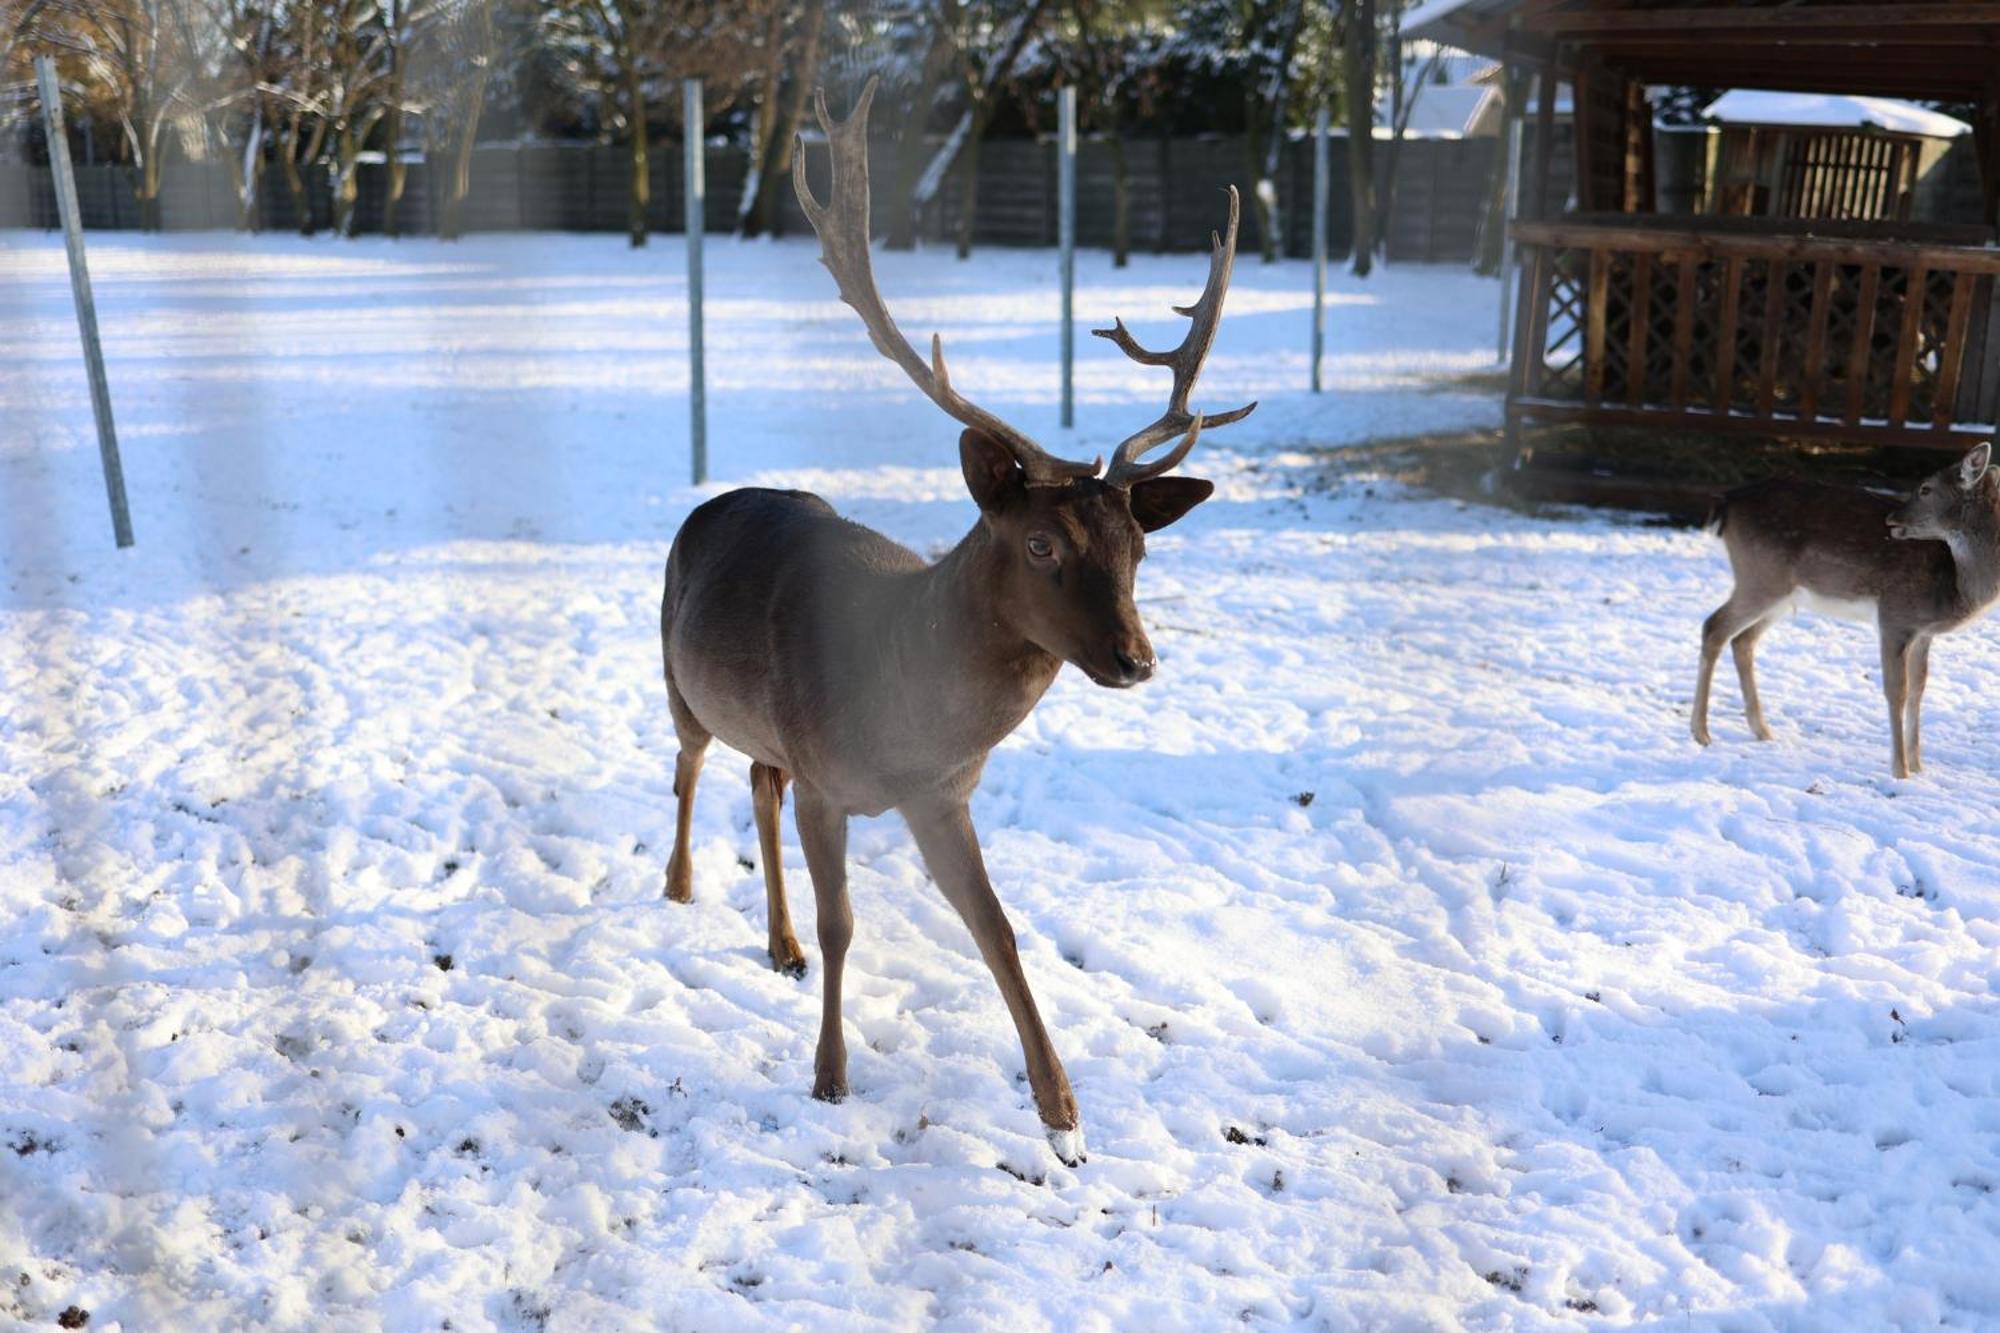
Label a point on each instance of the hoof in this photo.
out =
(680, 883)
(789, 960)
(830, 1092)
(1067, 1145)
(1701, 736)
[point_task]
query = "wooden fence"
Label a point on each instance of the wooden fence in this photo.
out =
(1443, 191)
(1866, 336)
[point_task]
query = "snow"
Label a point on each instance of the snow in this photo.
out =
(1752, 106)
(1412, 966)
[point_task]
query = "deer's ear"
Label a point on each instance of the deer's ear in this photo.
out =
(991, 473)
(1164, 500)
(1973, 466)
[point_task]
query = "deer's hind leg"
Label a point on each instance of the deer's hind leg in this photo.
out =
(1746, 608)
(1744, 648)
(694, 740)
(767, 796)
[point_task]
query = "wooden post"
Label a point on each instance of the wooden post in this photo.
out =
(1066, 236)
(692, 124)
(1545, 133)
(1514, 90)
(1320, 187)
(86, 306)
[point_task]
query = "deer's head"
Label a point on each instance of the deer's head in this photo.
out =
(1065, 557)
(1068, 540)
(1947, 500)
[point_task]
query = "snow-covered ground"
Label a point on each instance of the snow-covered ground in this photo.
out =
(1413, 967)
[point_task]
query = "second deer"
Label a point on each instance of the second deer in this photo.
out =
(1915, 569)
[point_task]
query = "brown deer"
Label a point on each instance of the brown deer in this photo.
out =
(842, 664)
(1916, 569)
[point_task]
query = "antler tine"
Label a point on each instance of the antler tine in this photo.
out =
(842, 226)
(1186, 362)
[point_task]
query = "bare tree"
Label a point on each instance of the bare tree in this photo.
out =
(1106, 44)
(788, 77)
(299, 88)
(452, 63)
(622, 54)
(1408, 79)
(139, 73)
(987, 39)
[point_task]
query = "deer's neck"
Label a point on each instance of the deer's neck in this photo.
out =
(1975, 550)
(966, 670)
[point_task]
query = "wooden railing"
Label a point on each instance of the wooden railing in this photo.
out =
(1856, 337)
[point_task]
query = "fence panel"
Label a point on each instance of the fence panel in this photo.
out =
(1173, 193)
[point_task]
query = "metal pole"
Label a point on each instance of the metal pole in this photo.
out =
(1320, 184)
(1513, 206)
(1066, 230)
(692, 124)
(86, 307)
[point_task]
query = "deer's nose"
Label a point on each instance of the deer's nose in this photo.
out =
(1134, 665)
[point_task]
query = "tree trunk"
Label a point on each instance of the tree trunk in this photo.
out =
(1266, 140)
(1358, 71)
(449, 213)
(642, 177)
(1385, 191)
(392, 133)
(1270, 215)
(910, 151)
(295, 185)
(248, 175)
(764, 122)
(1493, 219)
(346, 189)
(761, 216)
(149, 193)
(968, 188)
(1121, 199)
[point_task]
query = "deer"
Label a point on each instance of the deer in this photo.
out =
(1917, 568)
(867, 679)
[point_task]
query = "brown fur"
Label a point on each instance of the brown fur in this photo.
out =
(842, 662)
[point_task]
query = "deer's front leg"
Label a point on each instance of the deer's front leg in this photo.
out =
(1920, 676)
(950, 848)
(823, 836)
(1896, 685)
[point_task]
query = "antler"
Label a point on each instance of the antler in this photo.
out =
(1186, 362)
(842, 226)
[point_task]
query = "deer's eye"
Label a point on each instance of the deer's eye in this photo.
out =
(1040, 547)
(1925, 489)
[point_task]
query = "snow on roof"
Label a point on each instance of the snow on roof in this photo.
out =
(1451, 21)
(1442, 110)
(1749, 106)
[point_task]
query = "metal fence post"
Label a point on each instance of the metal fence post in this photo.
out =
(1320, 185)
(1066, 230)
(86, 307)
(693, 123)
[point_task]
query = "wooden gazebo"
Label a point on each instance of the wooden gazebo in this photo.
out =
(1871, 329)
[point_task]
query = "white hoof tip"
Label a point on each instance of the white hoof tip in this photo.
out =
(1068, 1146)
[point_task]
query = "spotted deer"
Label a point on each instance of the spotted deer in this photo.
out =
(1916, 569)
(867, 680)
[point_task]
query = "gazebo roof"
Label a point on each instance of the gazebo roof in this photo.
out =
(1934, 51)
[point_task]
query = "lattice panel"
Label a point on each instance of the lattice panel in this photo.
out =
(1782, 332)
